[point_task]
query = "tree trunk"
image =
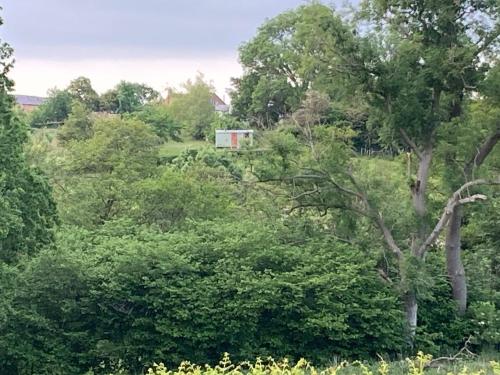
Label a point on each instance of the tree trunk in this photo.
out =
(419, 195)
(454, 265)
(420, 186)
(411, 309)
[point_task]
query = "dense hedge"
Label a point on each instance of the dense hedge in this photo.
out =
(139, 296)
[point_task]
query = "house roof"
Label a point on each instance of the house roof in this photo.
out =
(29, 100)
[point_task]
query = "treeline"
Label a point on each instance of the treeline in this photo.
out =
(114, 257)
(185, 113)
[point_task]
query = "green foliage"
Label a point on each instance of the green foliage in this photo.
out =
(54, 111)
(172, 198)
(309, 47)
(81, 91)
(222, 163)
(411, 366)
(125, 292)
(161, 121)
(78, 126)
(128, 97)
(193, 108)
(281, 249)
(28, 210)
(100, 171)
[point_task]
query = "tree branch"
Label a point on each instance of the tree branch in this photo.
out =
(410, 143)
(454, 201)
(483, 151)
(379, 221)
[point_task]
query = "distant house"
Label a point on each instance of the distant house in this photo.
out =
(28, 102)
(218, 103)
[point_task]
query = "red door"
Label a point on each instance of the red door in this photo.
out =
(234, 140)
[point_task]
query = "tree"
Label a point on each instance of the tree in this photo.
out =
(412, 94)
(28, 211)
(81, 90)
(100, 171)
(193, 108)
(78, 126)
(134, 295)
(470, 146)
(291, 53)
(161, 121)
(54, 111)
(417, 93)
(128, 97)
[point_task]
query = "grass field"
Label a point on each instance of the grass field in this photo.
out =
(171, 148)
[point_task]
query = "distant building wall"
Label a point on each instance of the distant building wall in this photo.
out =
(28, 107)
(29, 103)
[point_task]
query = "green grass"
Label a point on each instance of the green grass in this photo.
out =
(171, 148)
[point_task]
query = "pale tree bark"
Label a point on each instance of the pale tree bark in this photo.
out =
(419, 194)
(454, 264)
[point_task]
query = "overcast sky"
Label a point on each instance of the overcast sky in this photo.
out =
(158, 42)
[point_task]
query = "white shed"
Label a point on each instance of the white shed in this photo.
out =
(232, 138)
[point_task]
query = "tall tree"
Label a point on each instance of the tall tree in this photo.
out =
(193, 107)
(101, 170)
(28, 211)
(473, 144)
(54, 111)
(291, 53)
(432, 61)
(128, 97)
(398, 63)
(81, 90)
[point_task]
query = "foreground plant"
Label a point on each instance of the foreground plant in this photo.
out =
(419, 365)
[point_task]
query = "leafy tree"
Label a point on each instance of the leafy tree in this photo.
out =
(412, 95)
(81, 90)
(78, 126)
(101, 170)
(417, 93)
(28, 211)
(469, 146)
(193, 108)
(290, 54)
(175, 196)
(54, 111)
(128, 97)
(162, 122)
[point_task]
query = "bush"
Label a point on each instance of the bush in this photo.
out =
(133, 295)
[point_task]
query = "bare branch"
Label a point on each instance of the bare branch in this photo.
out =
(483, 43)
(379, 220)
(454, 201)
(483, 151)
(388, 238)
(410, 143)
(305, 193)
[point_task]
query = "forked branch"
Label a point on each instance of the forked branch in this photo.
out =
(455, 200)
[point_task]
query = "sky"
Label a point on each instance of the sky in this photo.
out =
(158, 42)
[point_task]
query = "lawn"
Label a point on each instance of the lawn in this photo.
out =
(172, 148)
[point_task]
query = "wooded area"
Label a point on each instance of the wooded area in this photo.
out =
(118, 249)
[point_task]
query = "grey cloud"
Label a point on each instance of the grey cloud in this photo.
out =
(115, 28)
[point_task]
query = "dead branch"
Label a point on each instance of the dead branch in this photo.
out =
(464, 352)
